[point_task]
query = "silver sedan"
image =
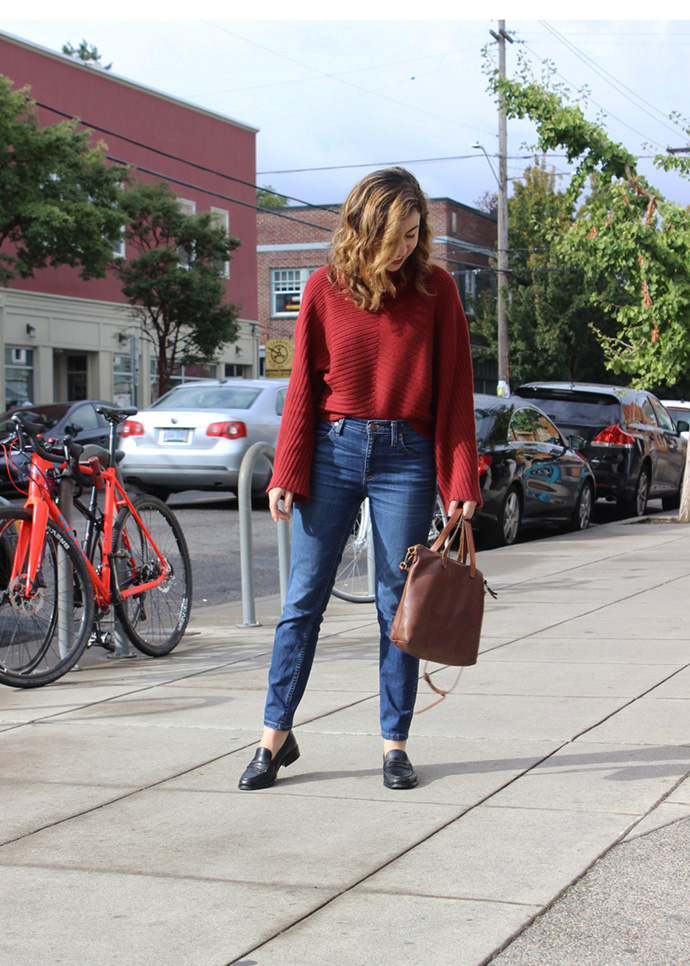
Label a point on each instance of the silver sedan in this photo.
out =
(195, 436)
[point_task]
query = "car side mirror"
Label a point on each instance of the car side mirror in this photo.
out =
(576, 442)
(72, 429)
(682, 426)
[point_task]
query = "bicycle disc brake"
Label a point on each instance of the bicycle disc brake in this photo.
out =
(19, 600)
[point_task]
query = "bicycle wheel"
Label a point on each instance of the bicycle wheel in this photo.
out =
(354, 580)
(155, 619)
(42, 635)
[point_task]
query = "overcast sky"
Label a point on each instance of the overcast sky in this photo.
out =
(347, 96)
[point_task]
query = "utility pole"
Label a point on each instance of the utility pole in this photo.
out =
(502, 246)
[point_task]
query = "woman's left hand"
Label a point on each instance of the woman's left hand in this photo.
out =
(468, 508)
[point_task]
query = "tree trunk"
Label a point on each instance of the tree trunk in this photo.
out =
(684, 512)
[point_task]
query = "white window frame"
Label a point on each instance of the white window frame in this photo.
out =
(19, 359)
(222, 218)
(118, 246)
(189, 208)
(288, 281)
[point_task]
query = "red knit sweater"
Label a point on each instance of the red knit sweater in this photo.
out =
(408, 360)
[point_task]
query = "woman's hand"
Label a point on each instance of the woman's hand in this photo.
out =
(468, 508)
(274, 497)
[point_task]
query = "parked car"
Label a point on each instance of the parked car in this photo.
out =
(529, 474)
(195, 436)
(77, 419)
(680, 411)
(629, 439)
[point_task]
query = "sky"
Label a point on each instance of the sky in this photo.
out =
(335, 98)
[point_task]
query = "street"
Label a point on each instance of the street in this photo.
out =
(211, 526)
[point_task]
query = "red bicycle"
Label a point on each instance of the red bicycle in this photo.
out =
(56, 589)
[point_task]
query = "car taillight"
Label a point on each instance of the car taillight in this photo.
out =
(484, 463)
(233, 430)
(131, 428)
(613, 436)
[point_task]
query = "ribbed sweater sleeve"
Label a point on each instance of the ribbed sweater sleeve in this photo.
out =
(455, 435)
(292, 468)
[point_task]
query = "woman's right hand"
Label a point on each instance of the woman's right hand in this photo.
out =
(275, 495)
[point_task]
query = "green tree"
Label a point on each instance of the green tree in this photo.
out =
(627, 231)
(59, 197)
(553, 319)
(487, 202)
(175, 280)
(87, 53)
(266, 197)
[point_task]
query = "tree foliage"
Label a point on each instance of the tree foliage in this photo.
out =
(487, 202)
(58, 196)
(626, 231)
(174, 281)
(266, 197)
(553, 319)
(87, 53)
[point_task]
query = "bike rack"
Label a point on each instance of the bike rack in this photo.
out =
(244, 497)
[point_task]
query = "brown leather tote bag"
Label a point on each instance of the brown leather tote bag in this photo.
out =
(439, 617)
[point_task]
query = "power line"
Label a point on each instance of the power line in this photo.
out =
(174, 157)
(610, 79)
(386, 164)
(357, 87)
(596, 103)
(217, 194)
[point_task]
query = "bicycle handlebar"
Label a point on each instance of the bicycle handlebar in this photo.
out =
(68, 451)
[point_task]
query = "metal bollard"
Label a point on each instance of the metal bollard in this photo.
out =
(244, 497)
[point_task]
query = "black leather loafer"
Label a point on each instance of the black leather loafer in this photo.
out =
(262, 770)
(398, 771)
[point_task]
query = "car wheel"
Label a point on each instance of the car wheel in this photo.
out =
(673, 502)
(160, 491)
(637, 505)
(582, 514)
(508, 522)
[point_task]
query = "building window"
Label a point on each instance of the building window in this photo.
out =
(77, 377)
(186, 254)
(181, 374)
(454, 221)
(19, 376)
(287, 285)
(470, 286)
(221, 219)
(123, 381)
(117, 243)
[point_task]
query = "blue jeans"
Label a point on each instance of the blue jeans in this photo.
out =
(394, 466)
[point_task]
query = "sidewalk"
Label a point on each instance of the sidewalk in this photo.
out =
(127, 843)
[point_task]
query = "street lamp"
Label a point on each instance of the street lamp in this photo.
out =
(503, 388)
(480, 147)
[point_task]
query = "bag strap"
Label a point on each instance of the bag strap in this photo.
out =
(455, 523)
(437, 690)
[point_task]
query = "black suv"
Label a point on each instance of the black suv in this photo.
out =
(627, 436)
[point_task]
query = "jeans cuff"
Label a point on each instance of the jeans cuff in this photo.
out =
(278, 727)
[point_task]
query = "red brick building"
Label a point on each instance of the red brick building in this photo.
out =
(65, 338)
(294, 241)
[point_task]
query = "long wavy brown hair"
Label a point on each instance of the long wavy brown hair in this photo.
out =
(368, 234)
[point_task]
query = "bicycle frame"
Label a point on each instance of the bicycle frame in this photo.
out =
(43, 507)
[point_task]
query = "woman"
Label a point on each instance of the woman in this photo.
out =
(379, 405)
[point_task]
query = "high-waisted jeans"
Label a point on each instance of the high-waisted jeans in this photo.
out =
(394, 466)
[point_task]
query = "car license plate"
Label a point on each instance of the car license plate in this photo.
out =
(175, 436)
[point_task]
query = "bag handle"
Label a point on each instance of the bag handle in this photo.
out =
(455, 523)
